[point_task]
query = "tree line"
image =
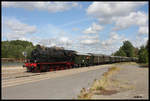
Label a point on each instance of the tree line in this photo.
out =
(14, 49)
(128, 50)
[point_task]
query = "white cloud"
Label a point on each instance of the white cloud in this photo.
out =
(105, 9)
(89, 40)
(49, 6)
(105, 12)
(134, 18)
(143, 30)
(15, 29)
(93, 29)
(113, 39)
(92, 43)
(105, 20)
(47, 41)
(62, 41)
(139, 40)
(65, 41)
(19, 27)
(112, 44)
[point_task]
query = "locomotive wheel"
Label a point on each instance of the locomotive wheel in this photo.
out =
(36, 69)
(44, 68)
(29, 69)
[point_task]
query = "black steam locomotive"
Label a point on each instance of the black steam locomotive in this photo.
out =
(56, 58)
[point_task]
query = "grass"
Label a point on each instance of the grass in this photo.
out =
(106, 85)
(99, 86)
(84, 94)
(144, 64)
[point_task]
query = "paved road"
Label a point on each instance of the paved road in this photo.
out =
(66, 87)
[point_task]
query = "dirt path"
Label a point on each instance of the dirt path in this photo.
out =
(131, 82)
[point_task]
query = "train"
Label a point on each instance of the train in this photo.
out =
(53, 59)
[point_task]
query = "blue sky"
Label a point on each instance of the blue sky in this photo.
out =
(98, 27)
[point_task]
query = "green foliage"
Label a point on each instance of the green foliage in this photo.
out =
(128, 48)
(147, 45)
(136, 50)
(21, 43)
(29, 49)
(14, 49)
(143, 55)
(120, 52)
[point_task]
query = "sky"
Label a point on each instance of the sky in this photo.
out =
(87, 27)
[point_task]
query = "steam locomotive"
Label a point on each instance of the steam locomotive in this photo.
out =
(45, 59)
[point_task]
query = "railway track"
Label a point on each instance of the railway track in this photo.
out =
(11, 76)
(12, 73)
(17, 78)
(17, 75)
(21, 78)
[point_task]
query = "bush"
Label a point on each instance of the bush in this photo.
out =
(143, 55)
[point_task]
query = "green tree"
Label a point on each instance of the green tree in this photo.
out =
(147, 45)
(128, 48)
(136, 50)
(120, 52)
(14, 49)
(143, 55)
(29, 50)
